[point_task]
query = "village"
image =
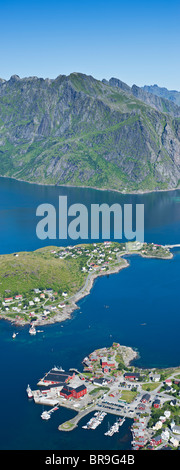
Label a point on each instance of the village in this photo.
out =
(108, 384)
(41, 305)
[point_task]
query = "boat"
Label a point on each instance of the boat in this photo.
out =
(58, 368)
(29, 391)
(32, 330)
(115, 427)
(14, 335)
(95, 421)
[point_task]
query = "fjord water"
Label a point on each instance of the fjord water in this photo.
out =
(19, 201)
(143, 312)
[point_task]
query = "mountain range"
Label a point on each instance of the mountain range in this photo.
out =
(76, 130)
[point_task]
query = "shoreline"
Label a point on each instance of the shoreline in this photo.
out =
(85, 290)
(95, 188)
(69, 309)
(157, 257)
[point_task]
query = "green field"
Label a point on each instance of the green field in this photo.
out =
(128, 395)
(39, 269)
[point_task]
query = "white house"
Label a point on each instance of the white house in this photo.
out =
(176, 429)
(174, 442)
(165, 435)
(156, 377)
(46, 312)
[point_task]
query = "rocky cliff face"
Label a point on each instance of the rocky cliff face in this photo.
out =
(80, 131)
(171, 95)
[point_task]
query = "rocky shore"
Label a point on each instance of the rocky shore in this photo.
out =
(83, 292)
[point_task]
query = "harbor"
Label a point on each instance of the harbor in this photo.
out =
(105, 389)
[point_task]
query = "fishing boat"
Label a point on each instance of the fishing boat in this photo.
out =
(95, 421)
(58, 368)
(29, 391)
(32, 330)
(115, 427)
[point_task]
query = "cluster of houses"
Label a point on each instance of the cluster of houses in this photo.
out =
(172, 387)
(167, 437)
(15, 303)
(99, 255)
(11, 299)
(138, 430)
(102, 361)
(102, 254)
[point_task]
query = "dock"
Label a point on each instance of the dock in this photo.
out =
(47, 414)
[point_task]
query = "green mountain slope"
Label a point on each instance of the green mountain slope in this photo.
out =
(79, 131)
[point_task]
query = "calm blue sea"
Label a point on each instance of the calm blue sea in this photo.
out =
(144, 305)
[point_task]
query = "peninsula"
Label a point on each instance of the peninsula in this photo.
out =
(44, 286)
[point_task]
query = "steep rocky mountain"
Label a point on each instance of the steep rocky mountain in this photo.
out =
(80, 131)
(171, 95)
(161, 103)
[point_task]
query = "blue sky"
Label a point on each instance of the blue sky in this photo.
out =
(138, 42)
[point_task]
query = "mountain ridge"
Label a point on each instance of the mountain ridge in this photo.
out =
(80, 131)
(171, 95)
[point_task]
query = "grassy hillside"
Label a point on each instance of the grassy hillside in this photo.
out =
(39, 269)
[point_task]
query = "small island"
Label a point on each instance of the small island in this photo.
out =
(44, 286)
(111, 383)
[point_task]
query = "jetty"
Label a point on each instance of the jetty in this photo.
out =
(72, 423)
(47, 414)
(172, 246)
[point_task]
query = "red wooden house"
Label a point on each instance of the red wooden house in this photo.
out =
(156, 441)
(68, 392)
